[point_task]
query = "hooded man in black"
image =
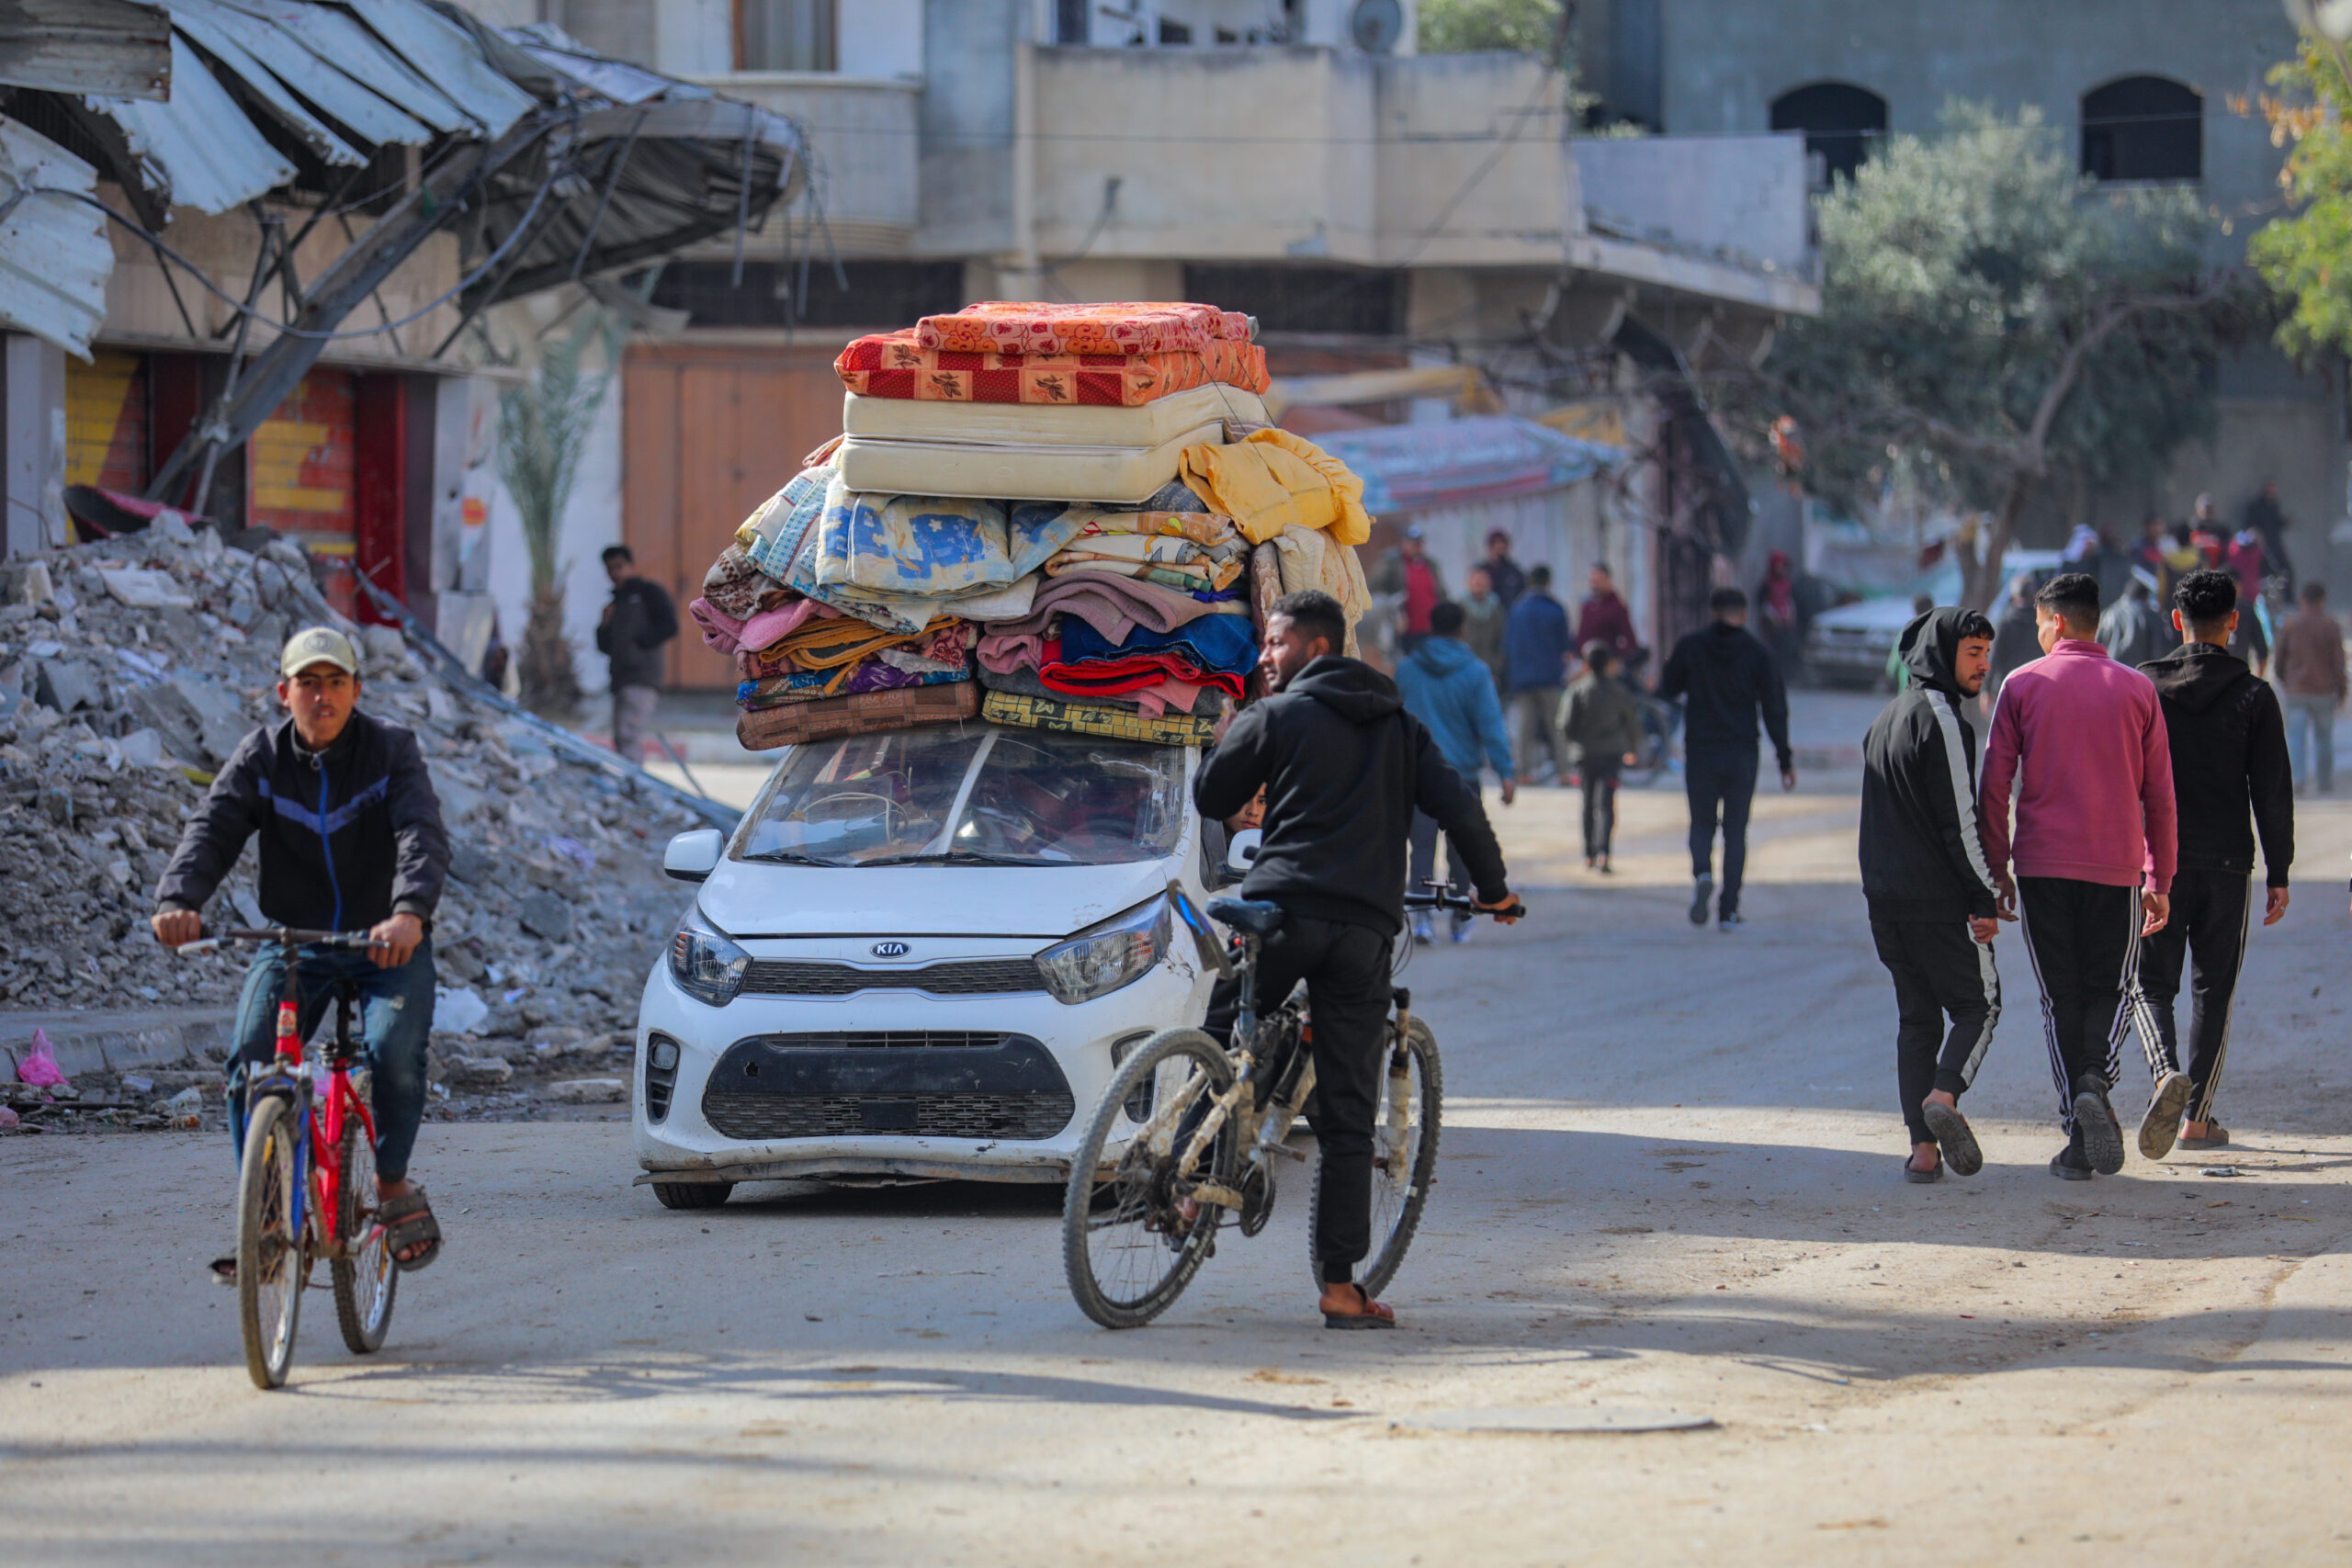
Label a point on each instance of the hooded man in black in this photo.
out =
(1343, 766)
(2229, 752)
(1727, 683)
(1933, 903)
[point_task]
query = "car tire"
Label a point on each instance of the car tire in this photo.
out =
(693, 1195)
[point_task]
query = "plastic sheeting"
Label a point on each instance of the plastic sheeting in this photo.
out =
(1409, 468)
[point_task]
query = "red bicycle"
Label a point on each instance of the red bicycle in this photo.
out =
(307, 1187)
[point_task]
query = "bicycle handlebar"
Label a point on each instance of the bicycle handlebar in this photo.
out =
(284, 936)
(1461, 902)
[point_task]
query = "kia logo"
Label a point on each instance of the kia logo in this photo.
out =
(890, 949)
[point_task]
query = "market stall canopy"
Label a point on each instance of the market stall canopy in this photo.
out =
(86, 46)
(568, 165)
(1412, 467)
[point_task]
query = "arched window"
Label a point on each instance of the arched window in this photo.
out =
(2144, 127)
(1842, 122)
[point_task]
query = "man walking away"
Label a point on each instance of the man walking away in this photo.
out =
(1483, 617)
(1501, 571)
(1934, 906)
(2132, 629)
(1602, 723)
(2092, 863)
(1604, 617)
(2311, 668)
(1727, 681)
(1343, 768)
(639, 619)
(2229, 751)
(1537, 646)
(1451, 693)
(2013, 639)
(2268, 519)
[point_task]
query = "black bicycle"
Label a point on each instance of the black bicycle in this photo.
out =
(1186, 1138)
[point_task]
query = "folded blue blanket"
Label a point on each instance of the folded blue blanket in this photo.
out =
(1226, 644)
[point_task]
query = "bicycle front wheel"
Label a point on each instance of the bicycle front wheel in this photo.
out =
(366, 1278)
(1134, 1230)
(1403, 1158)
(270, 1265)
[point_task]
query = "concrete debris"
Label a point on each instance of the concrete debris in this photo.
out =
(588, 1091)
(129, 669)
(479, 1072)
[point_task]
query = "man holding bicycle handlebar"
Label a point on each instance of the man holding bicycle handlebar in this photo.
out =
(1343, 767)
(350, 838)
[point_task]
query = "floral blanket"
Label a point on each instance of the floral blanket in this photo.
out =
(1008, 326)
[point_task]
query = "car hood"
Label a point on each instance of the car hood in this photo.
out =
(748, 899)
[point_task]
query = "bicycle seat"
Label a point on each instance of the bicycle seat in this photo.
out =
(1252, 915)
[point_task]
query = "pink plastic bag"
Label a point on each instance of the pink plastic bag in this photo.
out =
(40, 1070)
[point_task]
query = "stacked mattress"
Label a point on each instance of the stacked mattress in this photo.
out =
(1069, 517)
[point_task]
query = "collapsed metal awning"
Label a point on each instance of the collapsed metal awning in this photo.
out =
(548, 162)
(120, 47)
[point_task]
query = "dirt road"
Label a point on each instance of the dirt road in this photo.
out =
(1669, 1184)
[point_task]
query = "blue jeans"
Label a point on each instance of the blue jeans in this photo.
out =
(1720, 784)
(2312, 718)
(395, 1017)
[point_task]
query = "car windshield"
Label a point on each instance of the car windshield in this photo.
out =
(968, 794)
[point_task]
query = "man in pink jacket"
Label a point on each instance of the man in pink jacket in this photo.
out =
(2080, 739)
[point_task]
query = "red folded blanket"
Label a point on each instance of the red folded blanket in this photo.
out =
(1115, 677)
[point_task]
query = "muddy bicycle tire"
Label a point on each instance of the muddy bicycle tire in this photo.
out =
(271, 1267)
(366, 1283)
(1403, 1205)
(1125, 1280)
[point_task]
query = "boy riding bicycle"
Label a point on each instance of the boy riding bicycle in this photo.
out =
(350, 838)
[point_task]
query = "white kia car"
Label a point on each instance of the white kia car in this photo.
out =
(919, 956)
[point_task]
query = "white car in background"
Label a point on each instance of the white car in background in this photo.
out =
(1850, 645)
(919, 956)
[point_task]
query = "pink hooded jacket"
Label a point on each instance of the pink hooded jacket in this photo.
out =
(2082, 740)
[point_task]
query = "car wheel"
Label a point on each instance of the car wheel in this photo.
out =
(692, 1194)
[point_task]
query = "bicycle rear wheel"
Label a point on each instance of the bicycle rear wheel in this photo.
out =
(1404, 1158)
(365, 1280)
(1127, 1245)
(270, 1265)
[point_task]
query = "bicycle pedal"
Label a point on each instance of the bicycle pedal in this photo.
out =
(1285, 1150)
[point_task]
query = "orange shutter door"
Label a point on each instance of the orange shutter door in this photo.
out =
(300, 472)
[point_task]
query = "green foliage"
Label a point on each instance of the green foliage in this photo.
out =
(1467, 27)
(1990, 316)
(2306, 258)
(543, 427)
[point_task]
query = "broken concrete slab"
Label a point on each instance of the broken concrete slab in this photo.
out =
(111, 1039)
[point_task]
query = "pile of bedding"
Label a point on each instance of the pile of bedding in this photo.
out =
(1066, 516)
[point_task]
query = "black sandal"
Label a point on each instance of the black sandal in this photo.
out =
(408, 1220)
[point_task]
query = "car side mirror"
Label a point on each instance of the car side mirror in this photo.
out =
(692, 856)
(1241, 852)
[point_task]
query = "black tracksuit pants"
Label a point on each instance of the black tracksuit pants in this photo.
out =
(2212, 911)
(1599, 782)
(1720, 782)
(1346, 968)
(1940, 972)
(2084, 938)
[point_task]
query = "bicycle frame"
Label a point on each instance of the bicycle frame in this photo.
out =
(320, 1128)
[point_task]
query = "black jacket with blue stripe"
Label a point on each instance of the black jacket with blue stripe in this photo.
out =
(349, 836)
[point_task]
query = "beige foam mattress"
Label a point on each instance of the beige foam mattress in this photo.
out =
(1022, 471)
(1149, 425)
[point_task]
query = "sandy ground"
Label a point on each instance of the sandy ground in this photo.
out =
(2007, 1369)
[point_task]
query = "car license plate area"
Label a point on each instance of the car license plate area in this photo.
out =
(940, 1084)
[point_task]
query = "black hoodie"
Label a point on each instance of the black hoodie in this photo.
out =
(1727, 680)
(1922, 858)
(2229, 749)
(1344, 766)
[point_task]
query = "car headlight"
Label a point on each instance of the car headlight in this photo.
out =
(706, 966)
(1100, 959)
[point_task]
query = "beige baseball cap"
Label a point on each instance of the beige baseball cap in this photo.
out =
(318, 645)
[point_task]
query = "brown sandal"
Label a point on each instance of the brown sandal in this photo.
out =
(1375, 1315)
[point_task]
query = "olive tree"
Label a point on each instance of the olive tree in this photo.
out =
(1991, 319)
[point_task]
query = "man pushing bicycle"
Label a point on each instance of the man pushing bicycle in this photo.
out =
(350, 838)
(1343, 767)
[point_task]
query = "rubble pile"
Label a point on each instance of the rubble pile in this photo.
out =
(130, 668)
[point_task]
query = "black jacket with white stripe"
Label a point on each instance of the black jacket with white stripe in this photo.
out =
(1922, 857)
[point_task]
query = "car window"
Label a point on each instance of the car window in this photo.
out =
(969, 792)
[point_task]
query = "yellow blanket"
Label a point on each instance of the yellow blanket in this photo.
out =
(1271, 479)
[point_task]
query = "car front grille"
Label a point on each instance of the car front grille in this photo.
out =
(917, 1083)
(957, 977)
